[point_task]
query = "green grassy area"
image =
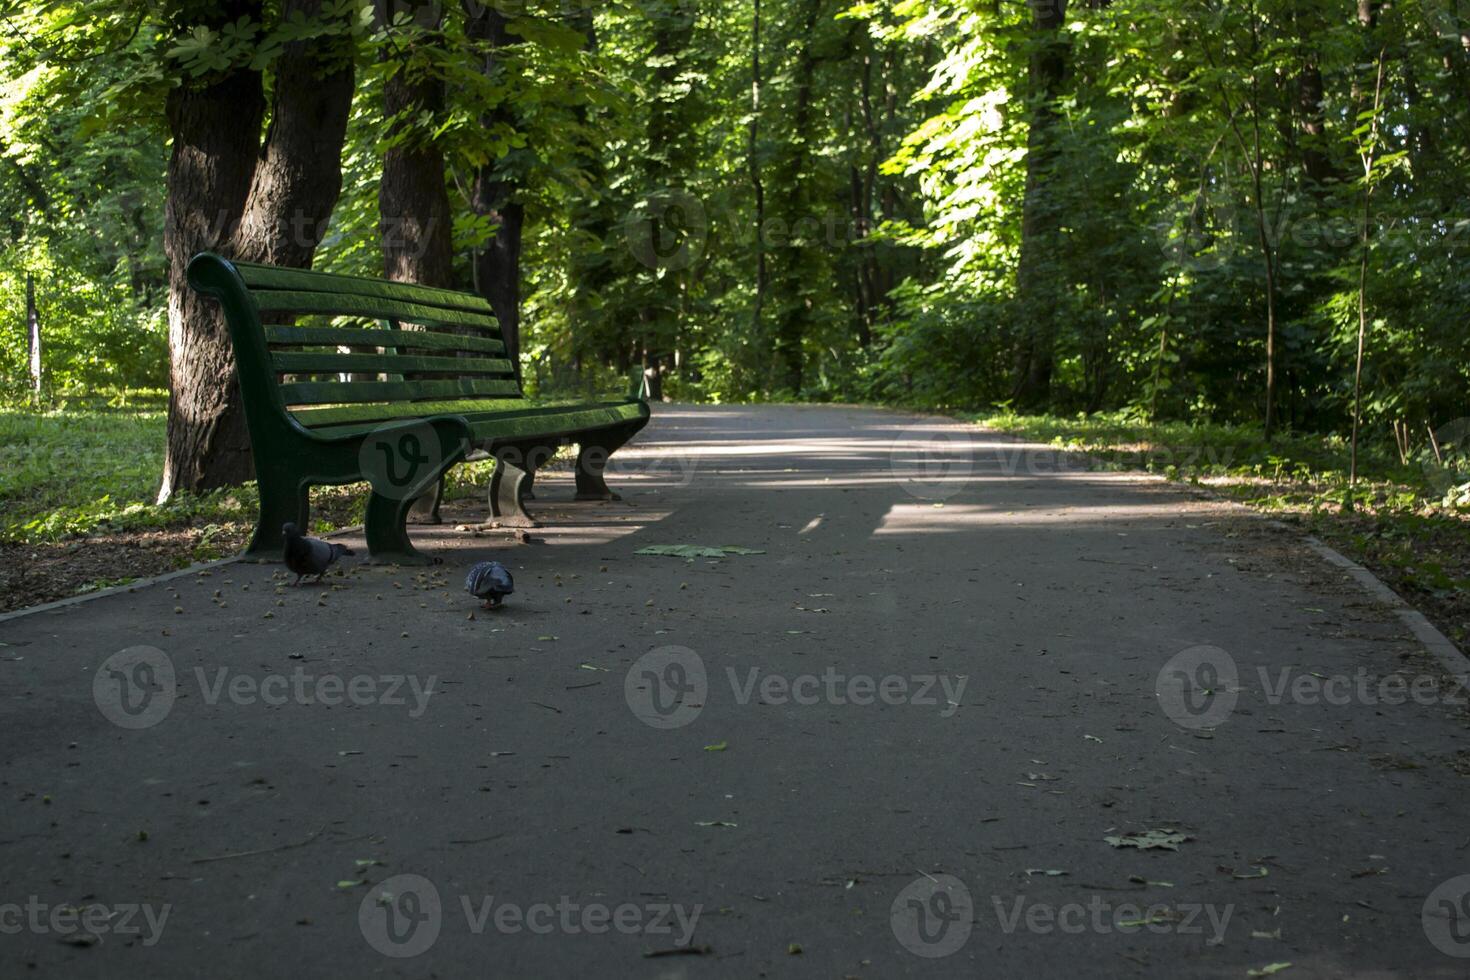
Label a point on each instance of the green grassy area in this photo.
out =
(1409, 521)
(70, 471)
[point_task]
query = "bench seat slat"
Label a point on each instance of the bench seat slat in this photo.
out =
(262, 278)
(340, 392)
(404, 339)
(342, 304)
(488, 418)
(292, 362)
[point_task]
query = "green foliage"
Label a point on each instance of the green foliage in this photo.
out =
(893, 145)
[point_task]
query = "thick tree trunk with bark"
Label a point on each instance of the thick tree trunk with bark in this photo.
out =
(492, 195)
(298, 176)
(215, 127)
(264, 202)
(413, 200)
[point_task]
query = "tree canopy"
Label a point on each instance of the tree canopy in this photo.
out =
(1186, 209)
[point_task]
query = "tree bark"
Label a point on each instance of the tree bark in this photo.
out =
(215, 125)
(257, 201)
(492, 195)
(298, 175)
(413, 200)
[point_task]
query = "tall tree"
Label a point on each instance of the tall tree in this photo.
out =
(493, 191)
(414, 220)
(1037, 284)
(232, 192)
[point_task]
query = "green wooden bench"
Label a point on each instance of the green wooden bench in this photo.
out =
(346, 379)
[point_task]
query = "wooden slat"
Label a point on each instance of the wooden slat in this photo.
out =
(370, 306)
(310, 363)
(342, 392)
(271, 277)
(488, 418)
(338, 415)
(400, 339)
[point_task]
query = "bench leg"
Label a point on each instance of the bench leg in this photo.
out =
(592, 457)
(508, 485)
(280, 501)
(425, 509)
(387, 532)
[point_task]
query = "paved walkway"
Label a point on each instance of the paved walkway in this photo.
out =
(919, 734)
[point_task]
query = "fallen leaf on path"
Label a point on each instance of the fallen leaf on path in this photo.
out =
(1167, 839)
(1268, 970)
(680, 951)
(717, 747)
(693, 551)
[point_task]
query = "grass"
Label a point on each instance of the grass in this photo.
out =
(72, 471)
(1408, 521)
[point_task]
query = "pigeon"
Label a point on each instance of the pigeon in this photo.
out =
(490, 581)
(309, 556)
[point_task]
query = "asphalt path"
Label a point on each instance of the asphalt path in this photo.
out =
(941, 704)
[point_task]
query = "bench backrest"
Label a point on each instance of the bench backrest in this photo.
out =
(332, 349)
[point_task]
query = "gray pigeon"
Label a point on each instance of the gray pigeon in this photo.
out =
(490, 581)
(309, 556)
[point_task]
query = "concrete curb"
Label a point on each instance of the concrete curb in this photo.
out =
(1450, 657)
(132, 586)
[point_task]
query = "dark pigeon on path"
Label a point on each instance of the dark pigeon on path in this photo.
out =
(309, 556)
(489, 581)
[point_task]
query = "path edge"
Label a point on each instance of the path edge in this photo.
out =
(141, 583)
(1439, 646)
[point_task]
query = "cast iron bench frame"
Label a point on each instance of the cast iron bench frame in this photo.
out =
(437, 394)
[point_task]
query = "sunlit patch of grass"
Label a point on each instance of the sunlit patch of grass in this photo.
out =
(68, 472)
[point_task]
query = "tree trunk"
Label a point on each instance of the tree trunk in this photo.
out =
(492, 195)
(413, 200)
(259, 202)
(796, 303)
(215, 125)
(671, 155)
(757, 185)
(298, 176)
(1037, 288)
(33, 335)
